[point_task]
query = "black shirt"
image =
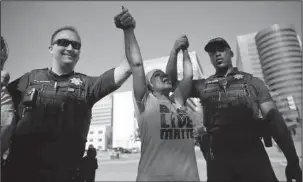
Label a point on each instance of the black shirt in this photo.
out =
(97, 87)
(62, 152)
(258, 87)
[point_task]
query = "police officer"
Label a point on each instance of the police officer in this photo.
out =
(54, 110)
(231, 102)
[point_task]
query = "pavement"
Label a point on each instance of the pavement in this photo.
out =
(125, 169)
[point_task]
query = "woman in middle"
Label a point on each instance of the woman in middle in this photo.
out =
(166, 131)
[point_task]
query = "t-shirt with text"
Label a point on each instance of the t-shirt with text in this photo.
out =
(167, 142)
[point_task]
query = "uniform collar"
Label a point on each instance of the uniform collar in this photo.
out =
(235, 70)
(56, 77)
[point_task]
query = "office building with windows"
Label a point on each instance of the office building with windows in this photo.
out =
(280, 56)
(247, 55)
(101, 122)
(98, 136)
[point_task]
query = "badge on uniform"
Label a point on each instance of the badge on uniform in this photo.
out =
(76, 81)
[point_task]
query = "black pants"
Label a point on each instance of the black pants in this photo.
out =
(246, 165)
(29, 173)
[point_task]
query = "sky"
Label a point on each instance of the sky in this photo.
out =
(28, 26)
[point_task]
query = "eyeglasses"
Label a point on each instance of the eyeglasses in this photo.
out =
(66, 43)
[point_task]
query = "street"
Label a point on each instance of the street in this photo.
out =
(125, 169)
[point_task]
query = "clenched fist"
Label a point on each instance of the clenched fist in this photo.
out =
(124, 20)
(181, 43)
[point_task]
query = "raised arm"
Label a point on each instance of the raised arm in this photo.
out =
(183, 90)
(171, 67)
(127, 23)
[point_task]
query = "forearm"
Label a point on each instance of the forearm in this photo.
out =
(281, 135)
(171, 67)
(184, 87)
(135, 61)
(187, 66)
(132, 49)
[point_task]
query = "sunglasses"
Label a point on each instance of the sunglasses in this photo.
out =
(66, 43)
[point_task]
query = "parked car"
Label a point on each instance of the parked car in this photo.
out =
(122, 150)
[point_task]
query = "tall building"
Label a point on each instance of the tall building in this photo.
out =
(98, 136)
(102, 111)
(100, 123)
(160, 63)
(280, 56)
(247, 55)
(300, 41)
(124, 122)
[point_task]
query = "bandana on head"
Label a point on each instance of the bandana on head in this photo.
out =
(149, 76)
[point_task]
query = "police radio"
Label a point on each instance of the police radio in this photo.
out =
(30, 98)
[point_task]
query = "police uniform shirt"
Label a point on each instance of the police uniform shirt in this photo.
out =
(64, 150)
(233, 109)
(256, 85)
(167, 143)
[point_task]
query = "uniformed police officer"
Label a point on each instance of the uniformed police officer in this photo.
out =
(231, 101)
(54, 110)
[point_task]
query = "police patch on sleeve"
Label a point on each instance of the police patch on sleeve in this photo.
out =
(76, 81)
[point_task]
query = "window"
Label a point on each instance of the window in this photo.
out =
(100, 139)
(91, 132)
(100, 132)
(91, 140)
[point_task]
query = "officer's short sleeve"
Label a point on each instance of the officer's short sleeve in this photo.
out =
(99, 87)
(17, 87)
(197, 85)
(262, 91)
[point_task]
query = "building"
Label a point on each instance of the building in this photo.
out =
(247, 55)
(98, 136)
(280, 56)
(160, 63)
(100, 123)
(300, 41)
(124, 120)
(102, 111)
